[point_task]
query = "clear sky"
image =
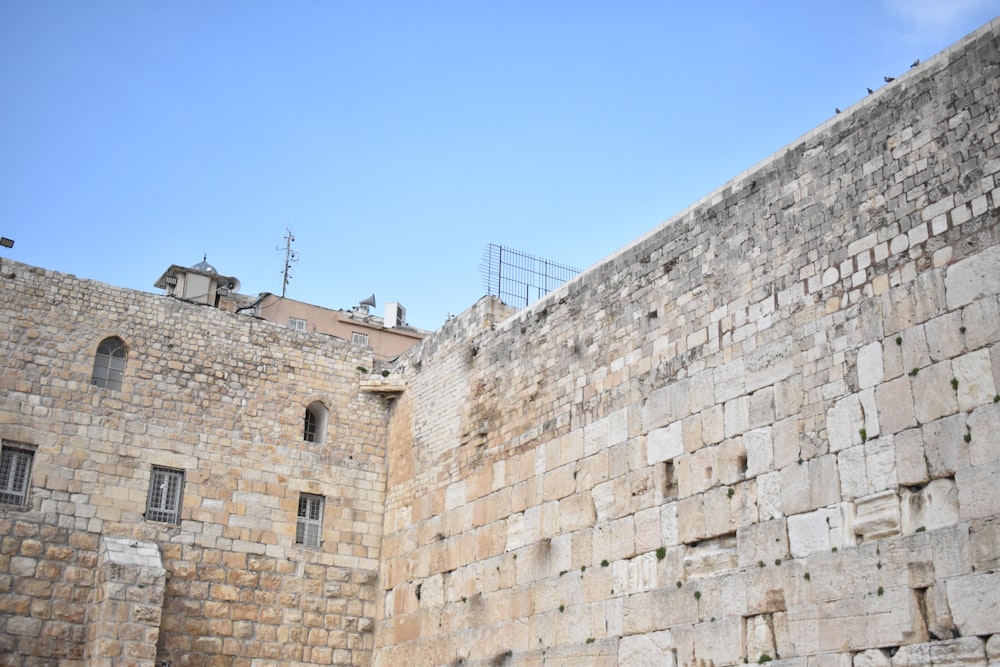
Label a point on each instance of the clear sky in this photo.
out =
(397, 139)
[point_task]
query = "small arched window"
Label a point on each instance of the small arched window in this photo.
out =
(109, 364)
(314, 429)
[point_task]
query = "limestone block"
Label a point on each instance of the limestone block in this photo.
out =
(665, 405)
(981, 320)
(795, 489)
(944, 446)
(762, 407)
(658, 609)
(765, 541)
(664, 444)
(844, 423)
(732, 460)
(974, 600)
(993, 649)
(933, 394)
(876, 516)
(880, 464)
(871, 372)
(703, 469)
(842, 624)
(729, 380)
(938, 613)
(737, 416)
(711, 557)
(974, 373)
(958, 652)
(770, 363)
(914, 351)
(911, 464)
(895, 405)
(648, 530)
(785, 436)
(650, 649)
(944, 338)
(932, 506)
(853, 476)
(984, 544)
(668, 524)
(623, 538)
(824, 480)
(760, 637)
(577, 512)
(788, 397)
(873, 657)
(769, 499)
(595, 437)
(641, 575)
(713, 426)
(603, 495)
(759, 451)
(701, 391)
(691, 433)
(809, 533)
(973, 278)
(690, 519)
(984, 429)
(720, 518)
(719, 642)
(800, 635)
(912, 655)
(978, 491)
(894, 617)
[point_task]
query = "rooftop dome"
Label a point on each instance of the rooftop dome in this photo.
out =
(203, 265)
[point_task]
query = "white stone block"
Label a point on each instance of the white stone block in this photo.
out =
(759, 451)
(876, 516)
(853, 474)
(974, 373)
(769, 364)
(665, 405)
(844, 422)
(933, 393)
(984, 430)
(809, 533)
(973, 278)
(880, 464)
(981, 320)
(737, 416)
(911, 464)
(650, 649)
(870, 369)
(895, 405)
(664, 444)
(729, 380)
(979, 491)
(769, 495)
(930, 507)
(975, 603)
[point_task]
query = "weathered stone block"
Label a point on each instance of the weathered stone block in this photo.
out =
(876, 516)
(973, 278)
(895, 405)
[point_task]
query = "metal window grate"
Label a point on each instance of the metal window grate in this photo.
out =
(309, 527)
(296, 324)
(15, 470)
(309, 430)
(109, 364)
(519, 278)
(359, 338)
(164, 501)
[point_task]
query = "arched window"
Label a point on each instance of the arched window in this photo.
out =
(109, 364)
(314, 429)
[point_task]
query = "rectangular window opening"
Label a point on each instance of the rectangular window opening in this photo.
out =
(296, 324)
(166, 489)
(359, 338)
(309, 527)
(15, 474)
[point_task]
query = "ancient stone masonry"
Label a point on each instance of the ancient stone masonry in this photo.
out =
(218, 399)
(764, 431)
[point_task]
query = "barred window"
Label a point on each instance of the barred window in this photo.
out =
(166, 487)
(314, 426)
(296, 324)
(109, 364)
(309, 527)
(15, 472)
(359, 338)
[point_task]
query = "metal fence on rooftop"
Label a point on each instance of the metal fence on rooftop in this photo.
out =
(518, 278)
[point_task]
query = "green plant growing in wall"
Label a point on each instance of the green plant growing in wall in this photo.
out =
(914, 371)
(864, 435)
(661, 553)
(880, 591)
(604, 563)
(590, 640)
(697, 595)
(954, 384)
(362, 370)
(385, 373)
(764, 657)
(730, 492)
(806, 576)
(562, 608)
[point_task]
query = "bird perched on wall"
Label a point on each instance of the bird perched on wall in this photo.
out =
(836, 109)
(870, 91)
(889, 79)
(915, 62)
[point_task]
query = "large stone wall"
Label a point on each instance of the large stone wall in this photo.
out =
(766, 430)
(221, 397)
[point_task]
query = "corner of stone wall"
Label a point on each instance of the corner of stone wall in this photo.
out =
(123, 620)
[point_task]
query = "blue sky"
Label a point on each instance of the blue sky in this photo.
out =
(397, 139)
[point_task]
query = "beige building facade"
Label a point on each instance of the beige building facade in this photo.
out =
(764, 432)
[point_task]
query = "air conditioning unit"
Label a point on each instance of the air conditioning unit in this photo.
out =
(395, 315)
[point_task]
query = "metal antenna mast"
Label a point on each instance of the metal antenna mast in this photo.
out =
(290, 258)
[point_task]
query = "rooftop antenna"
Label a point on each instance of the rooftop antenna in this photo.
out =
(290, 258)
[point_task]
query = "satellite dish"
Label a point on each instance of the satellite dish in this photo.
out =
(370, 301)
